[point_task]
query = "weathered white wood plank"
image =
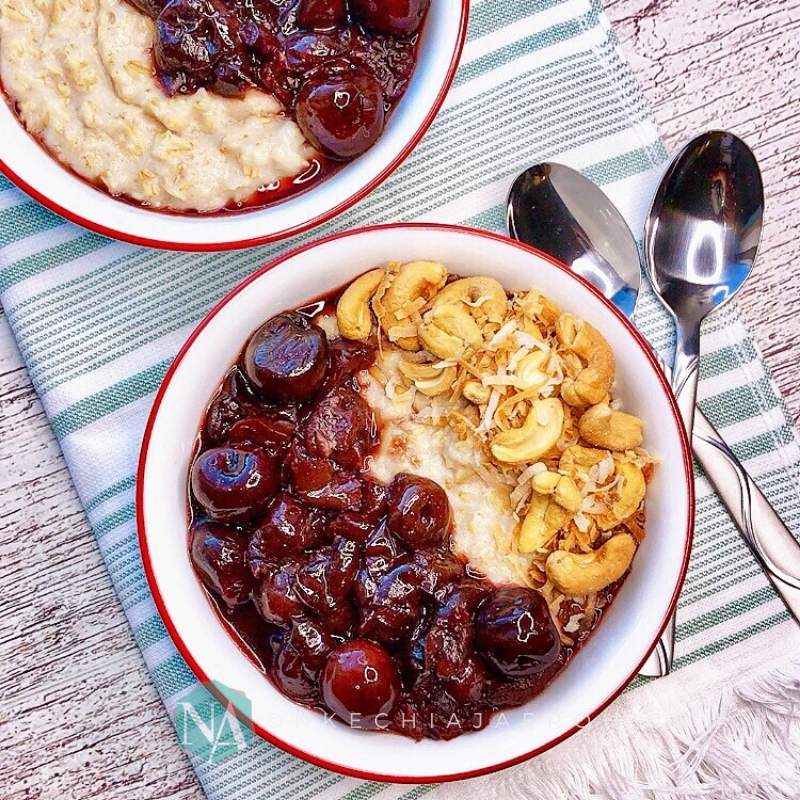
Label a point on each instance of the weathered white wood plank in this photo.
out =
(79, 717)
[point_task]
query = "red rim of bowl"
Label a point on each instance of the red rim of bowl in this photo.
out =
(326, 216)
(184, 650)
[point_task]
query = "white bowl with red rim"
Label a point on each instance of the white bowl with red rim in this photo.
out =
(25, 162)
(600, 670)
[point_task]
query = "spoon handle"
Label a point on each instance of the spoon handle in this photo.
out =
(684, 378)
(768, 537)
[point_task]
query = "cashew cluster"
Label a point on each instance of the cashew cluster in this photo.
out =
(556, 498)
(414, 285)
(530, 387)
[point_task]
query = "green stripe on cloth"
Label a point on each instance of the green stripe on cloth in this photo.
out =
(111, 491)
(96, 406)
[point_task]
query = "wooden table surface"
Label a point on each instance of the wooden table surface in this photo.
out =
(79, 717)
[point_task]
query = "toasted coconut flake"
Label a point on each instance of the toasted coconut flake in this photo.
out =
(582, 522)
(505, 331)
(487, 419)
(379, 375)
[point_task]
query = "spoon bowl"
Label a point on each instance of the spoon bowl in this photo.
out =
(704, 226)
(558, 210)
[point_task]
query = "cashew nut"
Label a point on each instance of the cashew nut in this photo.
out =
(604, 427)
(459, 313)
(448, 330)
(537, 435)
(579, 574)
(414, 282)
(593, 381)
(352, 311)
(535, 304)
(428, 379)
(542, 521)
(631, 494)
(577, 460)
(530, 370)
(485, 296)
(476, 392)
(561, 487)
(545, 482)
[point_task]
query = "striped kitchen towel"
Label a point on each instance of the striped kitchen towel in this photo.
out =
(98, 323)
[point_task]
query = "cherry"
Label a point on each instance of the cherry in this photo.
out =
(346, 359)
(382, 552)
(218, 556)
(286, 358)
(391, 60)
(274, 597)
(373, 502)
(191, 37)
(287, 527)
(233, 402)
(391, 613)
(515, 633)
(270, 433)
(319, 483)
(234, 485)
(292, 676)
(341, 112)
(234, 74)
(342, 428)
(360, 683)
(321, 14)
(438, 570)
(448, 647)
(449, 641)
(339, 621)
(326, 580)
(419, 511)
(311, 641)
(305, 51)
(392, 17)
(353, 526)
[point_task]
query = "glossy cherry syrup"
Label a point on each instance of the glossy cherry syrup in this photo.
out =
(342, 590)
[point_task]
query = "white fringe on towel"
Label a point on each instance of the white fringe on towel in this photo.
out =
(739, 743)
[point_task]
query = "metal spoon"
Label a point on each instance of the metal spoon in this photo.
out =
(558, 210)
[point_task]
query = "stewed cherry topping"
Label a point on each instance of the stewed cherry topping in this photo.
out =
(337, 65)
(344, 589)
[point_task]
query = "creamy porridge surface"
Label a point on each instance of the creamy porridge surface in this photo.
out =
(80, 74)
(484, 522)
